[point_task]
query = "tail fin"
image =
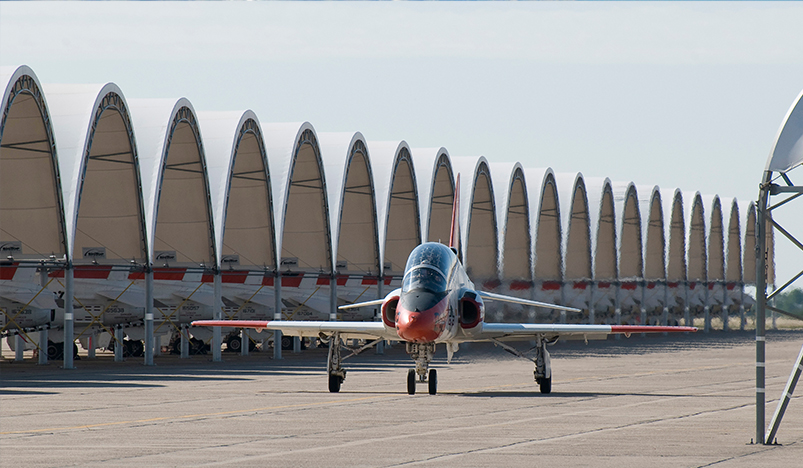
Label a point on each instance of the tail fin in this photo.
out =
(455, 229)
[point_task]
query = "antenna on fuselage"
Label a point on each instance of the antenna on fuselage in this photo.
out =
(454, 231)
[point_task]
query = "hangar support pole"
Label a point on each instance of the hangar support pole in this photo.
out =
(43, 344)
(277, 315)
(217, 314)
(149, 317)
(68, 317)
(761, 297)
(380, 294)
(19, 347)
(764, 219)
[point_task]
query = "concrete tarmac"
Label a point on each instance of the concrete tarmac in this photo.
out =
(677, 401)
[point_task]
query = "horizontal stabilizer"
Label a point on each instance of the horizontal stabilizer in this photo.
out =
(517, 300)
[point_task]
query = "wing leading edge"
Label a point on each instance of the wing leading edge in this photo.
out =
(305, 328)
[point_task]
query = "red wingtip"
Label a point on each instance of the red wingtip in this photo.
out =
(455, 214)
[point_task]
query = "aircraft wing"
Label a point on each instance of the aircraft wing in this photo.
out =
(362, 304)
(518, 300)
(306, 328)
(514, 331)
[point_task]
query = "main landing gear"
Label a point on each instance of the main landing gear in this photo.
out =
(422, 355)
(334, 362)
(543, 366)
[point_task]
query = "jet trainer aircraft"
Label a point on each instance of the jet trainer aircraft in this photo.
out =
(438, 303)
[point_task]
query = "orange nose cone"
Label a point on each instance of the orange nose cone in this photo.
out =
(420, 327)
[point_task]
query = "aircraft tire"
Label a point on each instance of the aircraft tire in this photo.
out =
(433, 381)
(334, 383)
(55, 350)
(234, 344)
(546, 385)
(137, 348)
(411, 378)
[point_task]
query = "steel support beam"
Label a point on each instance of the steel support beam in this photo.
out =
(761, 295)
(19, 347)
(92, 342)
(118, 343)
(784, 401)
(149, 317)
(277, 315)
(43, 345)
(69, 332)
(380, 294)
(217, 314)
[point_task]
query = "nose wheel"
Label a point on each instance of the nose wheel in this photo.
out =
(422, 354)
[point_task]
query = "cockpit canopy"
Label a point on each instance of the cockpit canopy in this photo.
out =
(428, 268)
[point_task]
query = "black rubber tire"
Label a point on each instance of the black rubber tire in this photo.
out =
(287, 343)
(433, 382)
(128, 348)
(234, 344)
(75, 355)
(137, 348)
(411, 378)
(55, 351)
(546, 385)
(334, 383)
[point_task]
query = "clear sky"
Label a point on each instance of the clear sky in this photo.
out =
(687, 95)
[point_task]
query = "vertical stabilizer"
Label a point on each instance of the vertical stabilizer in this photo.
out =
(454, 231)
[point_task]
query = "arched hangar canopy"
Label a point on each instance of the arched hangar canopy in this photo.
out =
(513, 215)
(787, 152)
(675, 234)
(397, 203)
(546, 230)
(99, 162)
(239, 180)
(602, 213)
(478, 225)
(628, 218)
(576, 228)
(652, 229)
(178, 211)
(301, 213)
(32, 223)
(436, 192)
(352, 207)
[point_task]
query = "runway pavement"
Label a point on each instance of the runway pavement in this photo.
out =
(678, 401)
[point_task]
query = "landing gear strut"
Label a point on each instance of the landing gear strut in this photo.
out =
(333, 367)
(422, 355)
(543, 366)
(334, 362)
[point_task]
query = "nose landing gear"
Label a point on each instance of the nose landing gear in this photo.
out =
(422, 354)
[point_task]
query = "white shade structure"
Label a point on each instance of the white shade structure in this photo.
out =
(91, 177)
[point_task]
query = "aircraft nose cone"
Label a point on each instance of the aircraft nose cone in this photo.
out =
(420, 327)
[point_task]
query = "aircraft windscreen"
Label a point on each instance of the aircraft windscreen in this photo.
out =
(427, 267)
(424, 277)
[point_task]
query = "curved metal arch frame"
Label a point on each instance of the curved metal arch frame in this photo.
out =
(441, 162)
(579, 184)
(483, 169)
(631, 196)
(308, 137)
(115, 102)
(186, 115)
(405, 155)
(360, 147)
(518, 175)
(26, 84)
(250, 126)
